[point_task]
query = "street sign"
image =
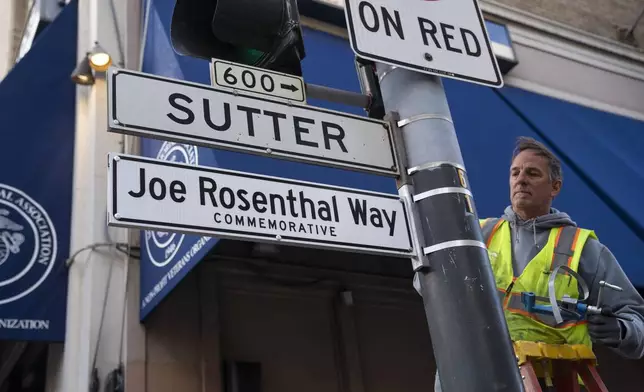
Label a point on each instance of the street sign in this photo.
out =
(159, 195)
(174, 110)
(259, 81)
(441, 37)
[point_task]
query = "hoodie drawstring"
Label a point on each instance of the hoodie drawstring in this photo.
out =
(534, 231)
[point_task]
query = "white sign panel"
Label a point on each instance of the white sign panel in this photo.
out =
(173, 110)
(159, 195)
(259, 81)
(441, 37)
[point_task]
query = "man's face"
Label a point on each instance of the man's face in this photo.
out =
(531, 190)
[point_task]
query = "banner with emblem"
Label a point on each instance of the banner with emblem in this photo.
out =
(167, 257)
(37, 113)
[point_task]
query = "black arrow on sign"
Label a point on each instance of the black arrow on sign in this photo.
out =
(289, 87)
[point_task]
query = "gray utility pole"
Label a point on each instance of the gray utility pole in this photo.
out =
(470, 337)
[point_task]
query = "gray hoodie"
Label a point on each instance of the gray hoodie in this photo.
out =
(597, 263)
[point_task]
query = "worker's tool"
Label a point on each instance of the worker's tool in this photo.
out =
(572, 308)
(562, 365)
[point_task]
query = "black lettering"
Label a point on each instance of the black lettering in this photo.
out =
(327, 136)
(231, 196)
(324, 210)
(274, 197)
(228, 219)
(276, 123)
(374, 15)
(239, 220)
(376, 217)
(249, 117)
(291, 226)
(282, 225)
(208, 118)
(390, 22)
(217, 217)
(431, 31)
(299, 131)
(262, 223)
(468, 49)
(272, 224)
(210, 190)
(336, 215)
(302, 228)
(291, 202)
(448, 37)
(390, 221)
(303, 202)
(173, 102)
(332, 231)
(177, 188)
(141, 191)
(153, 193)
(252, 222)
(259, 199)
(241, 194)
(359, 212)
(323, 230)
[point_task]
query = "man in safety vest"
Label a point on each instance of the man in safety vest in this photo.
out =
(532, 238)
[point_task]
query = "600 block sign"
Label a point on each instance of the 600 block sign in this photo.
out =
(147, 193)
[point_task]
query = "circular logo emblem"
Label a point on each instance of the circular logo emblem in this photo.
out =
(28, 244)
(163, 246)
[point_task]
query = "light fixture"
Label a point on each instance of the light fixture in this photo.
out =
(99, 59)
(83, 73)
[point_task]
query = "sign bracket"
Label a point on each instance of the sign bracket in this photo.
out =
(337, 96)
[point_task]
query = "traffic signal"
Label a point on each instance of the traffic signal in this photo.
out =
(260, 33)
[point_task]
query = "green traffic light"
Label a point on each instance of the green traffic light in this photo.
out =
(222, 29)
(249, 56)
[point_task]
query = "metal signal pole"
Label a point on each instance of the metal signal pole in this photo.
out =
(469, 333)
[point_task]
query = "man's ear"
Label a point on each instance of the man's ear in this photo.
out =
(556, 188)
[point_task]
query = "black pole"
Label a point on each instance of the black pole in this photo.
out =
(469, 333)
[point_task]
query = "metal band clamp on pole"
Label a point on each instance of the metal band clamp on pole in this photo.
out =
(420, 117)
(452, 244)
(431, 165)
(441, 191)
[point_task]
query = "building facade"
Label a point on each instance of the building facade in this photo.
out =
(14, 17)
(206, 314)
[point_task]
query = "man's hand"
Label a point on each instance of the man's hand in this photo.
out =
(605, 330)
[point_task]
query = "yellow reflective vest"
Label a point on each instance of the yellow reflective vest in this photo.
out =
(564, 247)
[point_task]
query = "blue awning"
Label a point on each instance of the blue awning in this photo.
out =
(166, 258)
(602, 152)
(598, 163)
(37, 113)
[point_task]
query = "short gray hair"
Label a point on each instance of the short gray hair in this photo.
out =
(528, 143)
